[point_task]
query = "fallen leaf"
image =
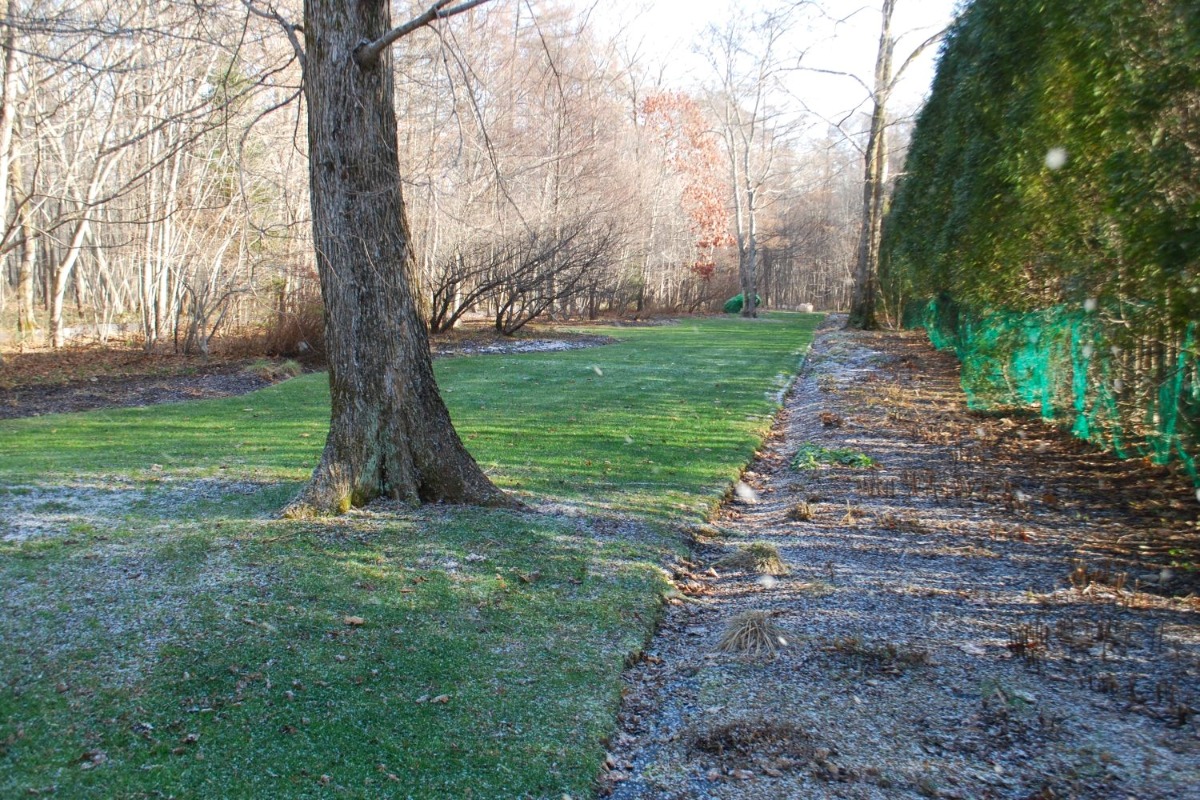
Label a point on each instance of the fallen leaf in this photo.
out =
(355, 622)
(441, 698)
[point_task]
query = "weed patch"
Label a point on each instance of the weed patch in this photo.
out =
(813, 456)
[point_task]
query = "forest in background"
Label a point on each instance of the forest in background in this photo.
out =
(154, 176)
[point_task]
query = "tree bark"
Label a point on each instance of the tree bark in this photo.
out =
(390, 433)
(26, 322)
(866, 279)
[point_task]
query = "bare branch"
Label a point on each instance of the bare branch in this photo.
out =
(915, 53)
(288, 28)
(841, 74)
(366, 54)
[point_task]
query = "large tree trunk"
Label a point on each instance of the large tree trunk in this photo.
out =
(390, 433)
(866, 277)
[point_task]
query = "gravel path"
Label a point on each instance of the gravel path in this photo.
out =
(984, 614)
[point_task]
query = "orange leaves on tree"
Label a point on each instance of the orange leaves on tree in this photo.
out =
(692, 151)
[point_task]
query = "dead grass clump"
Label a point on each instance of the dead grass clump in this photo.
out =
(275, 371)
(1083, 577)
(900, 522)
(888, 656)
(756, 739)
(759, 557)
(830, 420)
(801, 512)
(1029, 641)
(753, 634)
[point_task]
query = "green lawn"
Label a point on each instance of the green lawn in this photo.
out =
(163, 635)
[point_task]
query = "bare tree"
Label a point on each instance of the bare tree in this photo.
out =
(875, 170)
(744, 57)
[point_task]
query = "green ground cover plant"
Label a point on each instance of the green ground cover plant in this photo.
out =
(162, 633)
(812, 456)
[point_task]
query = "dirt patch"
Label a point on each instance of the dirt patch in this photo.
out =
(981, 607)
(89, 378)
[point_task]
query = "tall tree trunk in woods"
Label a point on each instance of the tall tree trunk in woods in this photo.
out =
(390, 433)
(866, 276)
(875, 173)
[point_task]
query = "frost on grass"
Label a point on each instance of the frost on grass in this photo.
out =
(29, 512)
(34, 511)
(112, 610)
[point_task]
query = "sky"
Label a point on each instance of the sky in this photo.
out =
(666, 31)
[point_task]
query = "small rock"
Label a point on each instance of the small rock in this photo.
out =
(713, 774)
(743, 774)
(822, 754)
(772, 772)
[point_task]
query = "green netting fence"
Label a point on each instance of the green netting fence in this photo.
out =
(1137, 395)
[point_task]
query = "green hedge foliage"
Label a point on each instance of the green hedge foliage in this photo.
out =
(1054, 175)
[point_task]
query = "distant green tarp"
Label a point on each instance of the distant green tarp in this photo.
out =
(734, 304)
